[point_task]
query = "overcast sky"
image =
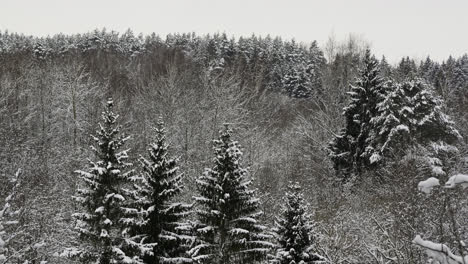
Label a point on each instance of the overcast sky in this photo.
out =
(396, 28)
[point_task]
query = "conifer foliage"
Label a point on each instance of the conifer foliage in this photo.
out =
(294, 231)
(228, 229)
(102, 196)
(348, 147)
(162, 224)
(386, 119)
(410, 115)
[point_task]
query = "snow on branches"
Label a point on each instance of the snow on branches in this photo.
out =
(437, 251)
(7, 218)
(103, 197)
(228, 228)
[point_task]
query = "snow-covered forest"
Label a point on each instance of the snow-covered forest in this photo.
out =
(211, 149)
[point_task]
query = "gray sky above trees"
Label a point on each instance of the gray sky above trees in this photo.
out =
(395, 28)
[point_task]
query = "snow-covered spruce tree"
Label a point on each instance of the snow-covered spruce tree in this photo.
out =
(161, 224)
(102, 197)
(294, 231)
(346, 149)
(8, 219)
(411, 116)
(295, 70)
(297, 81)
(228, 229)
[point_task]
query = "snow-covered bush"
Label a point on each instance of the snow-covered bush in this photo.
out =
(441, 253)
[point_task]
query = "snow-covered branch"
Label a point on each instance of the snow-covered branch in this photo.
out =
(4, 213)
(438, 251)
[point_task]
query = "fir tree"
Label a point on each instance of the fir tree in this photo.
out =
(161, 224)
(228, 229)
(347, 147)
(293, 232)
(102, 197)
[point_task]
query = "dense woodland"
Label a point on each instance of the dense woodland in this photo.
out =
(117, 148)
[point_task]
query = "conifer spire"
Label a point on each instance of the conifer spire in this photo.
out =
(228, 229)
(102, 196)
(294, 231)
(161, 225)
(347, 148)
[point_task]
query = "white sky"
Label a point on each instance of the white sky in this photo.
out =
(395, 28)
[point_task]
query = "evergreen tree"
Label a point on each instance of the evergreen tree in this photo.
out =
(296, 81)
(102, 197)
(301, 73)
(294, 230)
(406, 69)
(458, 83)
(385, 68)
(410, 116)
(390, 126)
(426, 70)
(228, 229)
(161, 224)
(348, 147)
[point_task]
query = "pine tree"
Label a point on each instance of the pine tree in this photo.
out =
(294, 231)
(347, 148)
(162, 225)
(102, 197)
(228, 229)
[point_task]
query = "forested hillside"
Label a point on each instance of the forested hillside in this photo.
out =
(321, 132)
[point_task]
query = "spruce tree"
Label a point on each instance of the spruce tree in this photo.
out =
(228, 227)
(406, 69)
(161, 225)
(411, 116)
(294, 231)
(347, 148)
(297, 81)
(102, 196)
(385, 68)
